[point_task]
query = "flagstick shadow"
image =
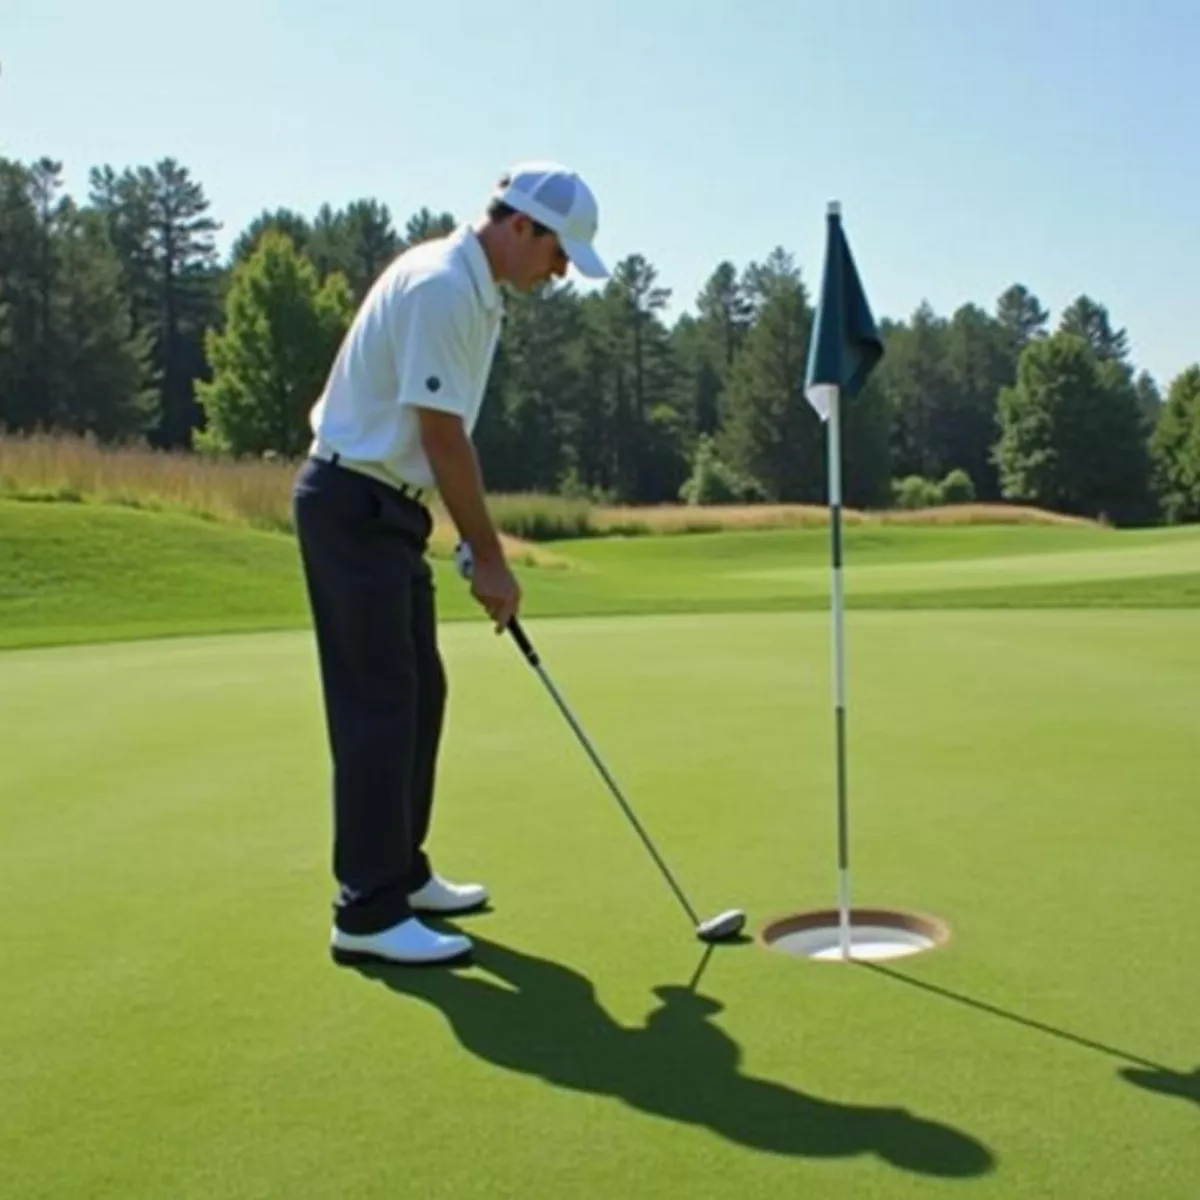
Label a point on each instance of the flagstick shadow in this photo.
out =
(542, 1019)
(1148, 1074)
(1166, 1083)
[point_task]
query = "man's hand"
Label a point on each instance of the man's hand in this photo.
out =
(494, 586)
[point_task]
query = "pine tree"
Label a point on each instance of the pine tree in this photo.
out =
(1071, 436)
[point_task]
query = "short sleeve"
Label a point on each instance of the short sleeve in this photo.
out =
(433, 348)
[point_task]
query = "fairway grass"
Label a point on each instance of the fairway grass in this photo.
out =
(170, 1025)
(87, 573)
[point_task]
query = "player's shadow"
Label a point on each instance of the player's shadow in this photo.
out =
(1147, 1074)
(541, 1018)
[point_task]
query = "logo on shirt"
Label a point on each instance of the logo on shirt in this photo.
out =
(433, 383)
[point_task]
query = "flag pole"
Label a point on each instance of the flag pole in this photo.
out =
(839, 666)
(834, 426)
(843, 349)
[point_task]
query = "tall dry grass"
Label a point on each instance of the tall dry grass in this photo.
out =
(66, 467)
(659, 519)
(254, 492)
(258, 493)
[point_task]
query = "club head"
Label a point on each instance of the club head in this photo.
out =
(722, 927)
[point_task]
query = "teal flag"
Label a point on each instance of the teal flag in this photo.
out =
(845, 346)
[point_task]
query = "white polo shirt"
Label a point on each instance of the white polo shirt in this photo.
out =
(425, 336)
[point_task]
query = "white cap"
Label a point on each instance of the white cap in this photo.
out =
(555, 196)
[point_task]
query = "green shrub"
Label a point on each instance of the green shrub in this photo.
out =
(957, 488)
(915, 491)
(714, 481)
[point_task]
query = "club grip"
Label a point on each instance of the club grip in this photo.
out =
(514, 627)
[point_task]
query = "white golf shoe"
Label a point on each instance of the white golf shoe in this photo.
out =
(409, 942)
(439, 896)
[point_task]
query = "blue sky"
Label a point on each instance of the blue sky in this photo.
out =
(972, 144)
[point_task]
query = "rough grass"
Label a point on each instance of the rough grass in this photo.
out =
(710, 519)
(251, 492)
(63, 467)
(257, 493)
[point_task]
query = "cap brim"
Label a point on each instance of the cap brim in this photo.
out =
(585, 260)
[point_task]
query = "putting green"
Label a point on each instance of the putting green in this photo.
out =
(1180, 555)
(170, 1025)
(888, 567)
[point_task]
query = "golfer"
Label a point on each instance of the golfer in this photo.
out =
(393, 424)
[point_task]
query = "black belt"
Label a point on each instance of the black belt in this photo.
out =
(407, 490)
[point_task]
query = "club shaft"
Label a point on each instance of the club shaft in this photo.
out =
(616, 791)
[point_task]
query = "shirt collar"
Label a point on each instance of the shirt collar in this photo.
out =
(481, 273)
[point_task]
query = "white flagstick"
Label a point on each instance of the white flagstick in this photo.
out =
(825, 397)
(839, 666)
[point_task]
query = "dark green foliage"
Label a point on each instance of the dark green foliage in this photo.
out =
(158, 220)
(70, 358)
(119, 319)
(713, 481)
(270, 362)
(1175, 448)
(1072, 438)
(770, 432)
(957, 488)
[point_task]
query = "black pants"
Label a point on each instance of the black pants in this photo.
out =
(362, 546)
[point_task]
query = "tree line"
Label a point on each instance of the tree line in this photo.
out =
(119, 319)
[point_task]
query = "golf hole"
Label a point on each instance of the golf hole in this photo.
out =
(874, 934)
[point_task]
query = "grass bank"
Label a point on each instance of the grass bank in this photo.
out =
(87, 572)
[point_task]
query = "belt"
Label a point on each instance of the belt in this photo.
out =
(408, 490)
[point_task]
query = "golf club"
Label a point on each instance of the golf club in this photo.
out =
(724, 925)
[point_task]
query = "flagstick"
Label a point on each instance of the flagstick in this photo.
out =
(839, 671)
(843, 349)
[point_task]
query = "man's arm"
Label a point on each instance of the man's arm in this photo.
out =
(459, 480)
(460, 484)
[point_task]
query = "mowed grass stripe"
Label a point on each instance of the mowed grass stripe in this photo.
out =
(1121, 561)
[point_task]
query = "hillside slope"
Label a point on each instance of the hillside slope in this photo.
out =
(87, 572)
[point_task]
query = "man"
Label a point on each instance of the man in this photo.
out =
(395, 422)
